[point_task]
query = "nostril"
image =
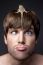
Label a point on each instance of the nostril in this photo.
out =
(21, 42)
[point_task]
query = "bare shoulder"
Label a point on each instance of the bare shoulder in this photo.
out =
(37, 59)
(38, 56)
(4, 59)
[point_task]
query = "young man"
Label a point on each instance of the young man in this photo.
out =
(21, 31)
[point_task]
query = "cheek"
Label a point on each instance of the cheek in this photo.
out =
(12, 40)
(30, 40)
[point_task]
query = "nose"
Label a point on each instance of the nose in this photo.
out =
(21, 38)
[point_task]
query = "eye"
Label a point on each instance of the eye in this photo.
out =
(14, 32)
(30, 32)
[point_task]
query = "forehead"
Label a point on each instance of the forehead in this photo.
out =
(21, 29)
(15, 20)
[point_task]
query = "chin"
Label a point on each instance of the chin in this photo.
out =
(20, 57)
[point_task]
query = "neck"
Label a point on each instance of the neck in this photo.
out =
(17, 62)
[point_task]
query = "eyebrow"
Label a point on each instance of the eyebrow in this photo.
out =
(31, 27)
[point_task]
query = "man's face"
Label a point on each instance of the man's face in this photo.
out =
(20, 42)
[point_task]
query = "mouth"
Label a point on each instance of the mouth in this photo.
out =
(21, 47)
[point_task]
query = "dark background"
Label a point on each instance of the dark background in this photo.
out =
(36, 5)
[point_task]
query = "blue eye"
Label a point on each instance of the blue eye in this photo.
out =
(29, 32)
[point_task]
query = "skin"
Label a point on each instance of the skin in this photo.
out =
(20, 43)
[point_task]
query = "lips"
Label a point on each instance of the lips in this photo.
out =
(21, 47)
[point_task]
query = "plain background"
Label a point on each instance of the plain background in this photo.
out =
(36, 5)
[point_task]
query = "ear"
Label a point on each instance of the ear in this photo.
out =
(36, 41)
(5, 39)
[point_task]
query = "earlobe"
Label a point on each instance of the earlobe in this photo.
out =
(5, 40)
(36, 41)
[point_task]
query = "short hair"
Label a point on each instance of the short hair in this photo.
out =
(13, 20)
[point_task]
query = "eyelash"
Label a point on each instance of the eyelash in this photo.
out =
(15, 32)
(29, 32)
